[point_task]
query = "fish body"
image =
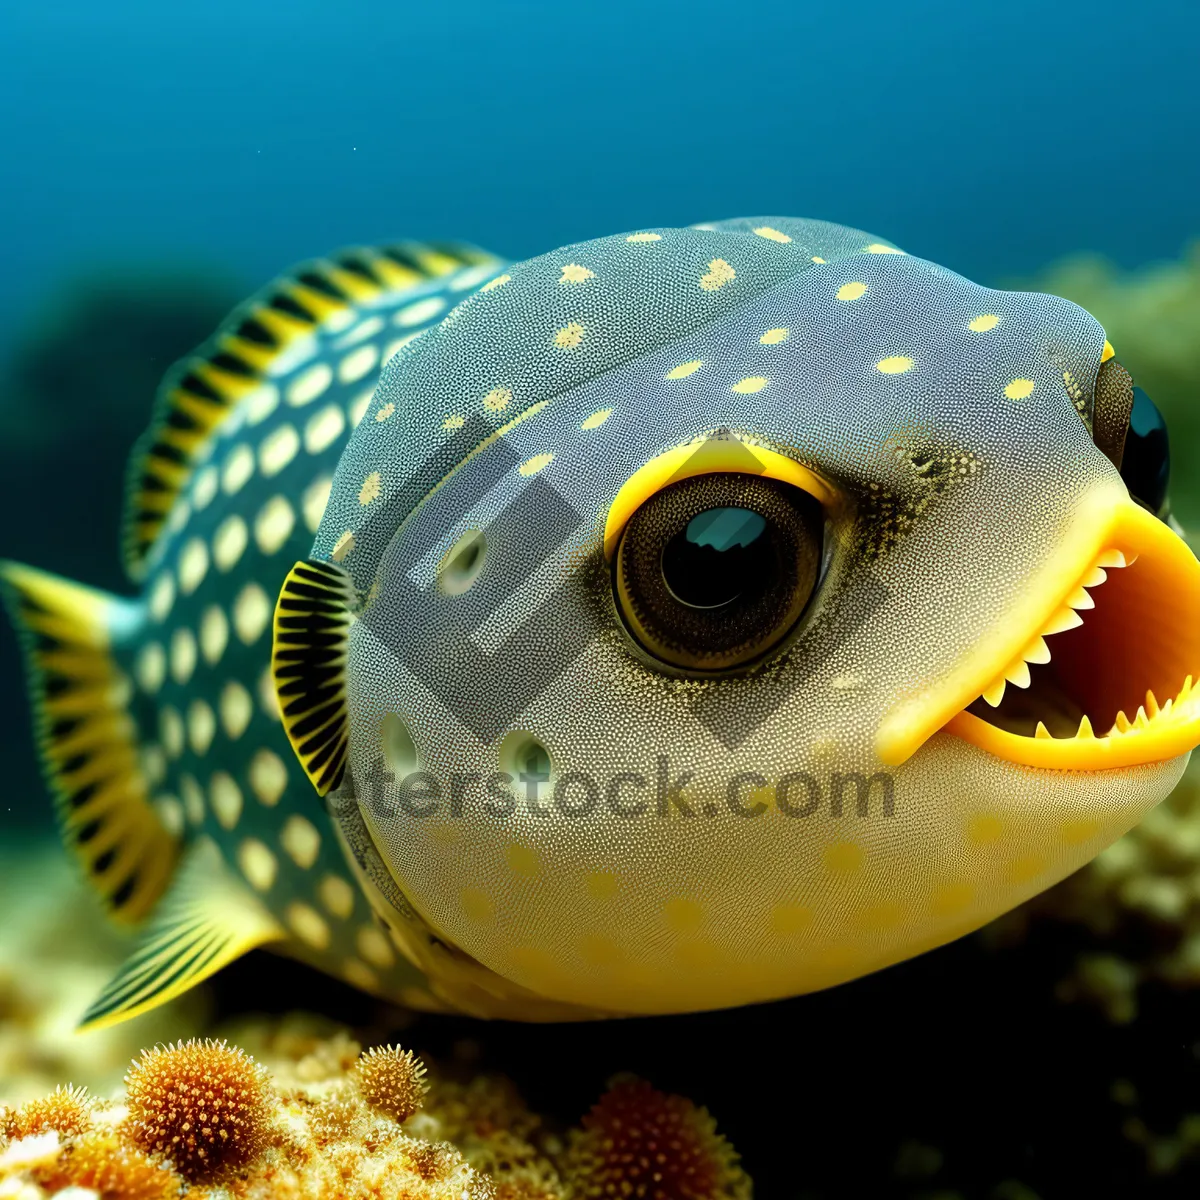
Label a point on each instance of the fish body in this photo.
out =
(670, 625)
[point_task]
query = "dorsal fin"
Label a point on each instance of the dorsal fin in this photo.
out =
(88, 739)
(201, 391)
(312, 630)
(206, 920)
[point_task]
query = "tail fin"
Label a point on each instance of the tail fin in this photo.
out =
(87, 737)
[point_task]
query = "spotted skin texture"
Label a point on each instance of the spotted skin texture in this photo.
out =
(928, 408)
(934, 408)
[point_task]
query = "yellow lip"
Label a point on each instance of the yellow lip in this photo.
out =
(1110, 628)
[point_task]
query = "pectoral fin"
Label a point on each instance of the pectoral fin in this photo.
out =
(207, 919)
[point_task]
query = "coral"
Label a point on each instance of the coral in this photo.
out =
(203, 1105)
(391, 1081)
(337, 1133)
(637, 1141)
(67, 1111)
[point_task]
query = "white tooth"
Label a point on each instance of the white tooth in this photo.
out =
(1018, 673)
(1141, 721)
(1151, 705)
(1111, 558)
(1080, 599)
(1122, 725)
(1085, 727)
(994, 693)
(1037, 651)
(1094, 578)
(1064, 619)
(1185, 690)
(1041, 731)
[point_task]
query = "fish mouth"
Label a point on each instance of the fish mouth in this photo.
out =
(1099, 668)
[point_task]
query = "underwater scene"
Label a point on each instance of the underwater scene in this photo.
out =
(601, 601)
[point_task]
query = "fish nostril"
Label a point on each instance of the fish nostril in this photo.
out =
(462, 563)
(526, 759)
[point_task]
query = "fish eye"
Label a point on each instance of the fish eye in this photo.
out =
(1132, 432)
(715, 570)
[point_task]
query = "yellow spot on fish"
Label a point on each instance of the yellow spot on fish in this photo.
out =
(599, 950)
(261, 403)
(422, 310)
(851, 291)
(644, 237)
(274, 524)
(683, 913)
(343, 546)
(236, 709)
(225, 798)
(251, 612)
(308, 925)
(774, 336)
(1018, 389)
(214, 634)
(1107, 352)
(1021, 870)
(357, 408)
(370, 489)
(772, 235)
(499, 281)
(476, 904)
(983, 322)
(951, 898)
(258, 864)
(788, 919)
(193, 799)
(817, 258)
(596, 419)
(268, 777)
(535, 961)
(359, 975)
(523, 860)
(170, 813)
(323, 429)
(750, 385)
(151, 667)
(385, 411)
(193, 566)
(357, 363)
(183, 655)
(983, 829)
(531, 466)
(239, 466)
(313, 502)
(1081, 830)
(498, 399)
(844, 857)
(894, 364)
(569, 336)
(162, 597)
(374, 946)
(300, 840)
(602, 885)
(204, 489)
(574, 273)
(278, 449)
(309, 385)
(455, 421)
(201, 726)
(229, 542)
(336, 895)
(267, 700)
(685, 369)
(170, 731)
(719, 274)
(880, 248)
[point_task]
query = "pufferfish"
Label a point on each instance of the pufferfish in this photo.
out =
(681, 619)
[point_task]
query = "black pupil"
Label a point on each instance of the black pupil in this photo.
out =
(1146, 465)
(722, 554)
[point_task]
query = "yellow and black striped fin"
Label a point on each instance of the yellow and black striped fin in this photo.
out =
(207, 919)
(312, 631)
(87, 737)
(199, 392)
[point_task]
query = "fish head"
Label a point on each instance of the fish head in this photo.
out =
(740, 612)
